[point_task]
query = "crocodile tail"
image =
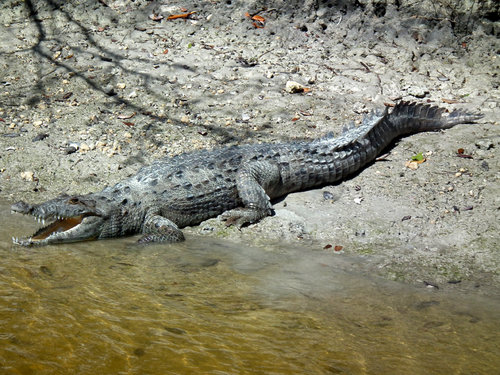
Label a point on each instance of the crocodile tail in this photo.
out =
(413, 117)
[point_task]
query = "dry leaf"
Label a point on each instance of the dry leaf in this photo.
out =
(129, 123)
(338, 247)
(259, 18)
(449, 101)
(177, 16)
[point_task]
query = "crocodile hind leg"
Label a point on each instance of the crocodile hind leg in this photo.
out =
(160, 229)
(251, 181)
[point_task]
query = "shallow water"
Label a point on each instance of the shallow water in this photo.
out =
(212, 307)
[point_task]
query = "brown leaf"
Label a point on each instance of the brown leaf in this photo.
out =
(338, 247)
(460, 151)
(177, 16)
(247, 14)
(259, 18)
(327, 247)
(295, 119)
(130, 124)
(257, 26)
(449, 101)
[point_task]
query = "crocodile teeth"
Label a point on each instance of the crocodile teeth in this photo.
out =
(23, 241)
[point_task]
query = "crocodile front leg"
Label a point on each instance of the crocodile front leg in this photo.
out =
(252, 181)
(160, 229)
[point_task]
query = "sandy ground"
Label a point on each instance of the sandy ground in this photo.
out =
(90, 91)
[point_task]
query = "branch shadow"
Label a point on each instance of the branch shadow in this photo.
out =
(117, 64)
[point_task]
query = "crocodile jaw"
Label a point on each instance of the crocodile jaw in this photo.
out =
(64, 229)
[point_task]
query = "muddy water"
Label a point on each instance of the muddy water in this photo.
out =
(209, 307)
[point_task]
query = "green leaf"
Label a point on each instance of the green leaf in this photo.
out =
(418, 157)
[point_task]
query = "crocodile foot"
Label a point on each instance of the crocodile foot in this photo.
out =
(241, 216)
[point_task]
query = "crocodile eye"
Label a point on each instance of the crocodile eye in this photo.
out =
(73, 200)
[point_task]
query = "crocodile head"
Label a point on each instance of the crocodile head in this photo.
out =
(70, 218)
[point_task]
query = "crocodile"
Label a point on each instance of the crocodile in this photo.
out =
(236, 183)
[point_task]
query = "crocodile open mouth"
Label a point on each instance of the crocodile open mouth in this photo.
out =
(53, 230)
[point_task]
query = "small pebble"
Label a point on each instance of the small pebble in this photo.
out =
(413, 165)
(28, 176)
(485, 144)
(294, 87)
(40, 137)
(328, 196)
(418, 92)
(70, 149)
(84, 147)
